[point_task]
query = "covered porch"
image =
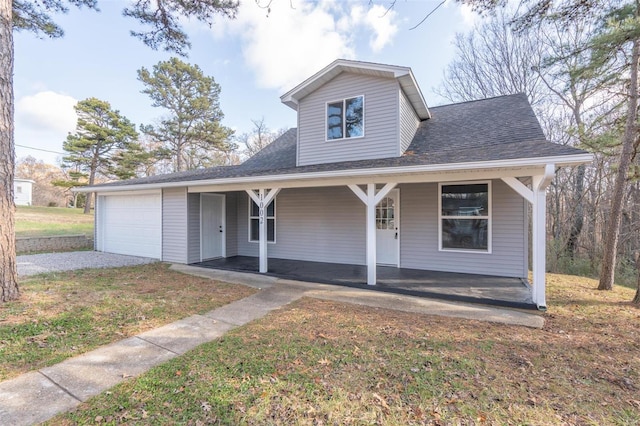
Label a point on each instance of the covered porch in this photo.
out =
(469, 288)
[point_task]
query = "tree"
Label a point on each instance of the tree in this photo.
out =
(44, 192)
(102, 136)
(163, 16)
(619, 42)
(258, 138)
(192, 130)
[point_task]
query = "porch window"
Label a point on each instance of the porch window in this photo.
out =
(254, 221)
(465, 216)
(345, 118)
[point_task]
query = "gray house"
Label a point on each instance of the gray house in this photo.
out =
(371, 176)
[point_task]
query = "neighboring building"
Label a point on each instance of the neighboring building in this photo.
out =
(371, 176)
(23, 192)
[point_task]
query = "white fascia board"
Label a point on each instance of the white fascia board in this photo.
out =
(374, 173)
(291, 97)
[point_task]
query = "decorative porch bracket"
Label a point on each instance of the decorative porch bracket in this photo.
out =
(537, 197)
(371, 200)
(262, 197)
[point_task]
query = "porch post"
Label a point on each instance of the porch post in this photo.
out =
(262, 199)
(539, 235)
(371, 199)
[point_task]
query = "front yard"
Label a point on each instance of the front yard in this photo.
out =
(52, 221)
(61, 315)
(319, 362)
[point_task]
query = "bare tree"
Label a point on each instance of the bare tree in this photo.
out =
(259, 137)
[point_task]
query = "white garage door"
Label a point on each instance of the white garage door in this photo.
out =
(131, 224)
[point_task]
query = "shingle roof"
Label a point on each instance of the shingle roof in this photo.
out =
(500, 128)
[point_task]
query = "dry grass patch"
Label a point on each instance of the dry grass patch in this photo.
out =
(318, 363)
(64, 314)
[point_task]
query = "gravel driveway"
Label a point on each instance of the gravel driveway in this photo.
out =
(33, 264)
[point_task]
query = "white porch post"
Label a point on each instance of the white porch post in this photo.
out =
(539, 235)
(371, 200)
(537, 197)
(262, 200)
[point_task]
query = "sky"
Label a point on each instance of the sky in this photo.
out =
(254, 58)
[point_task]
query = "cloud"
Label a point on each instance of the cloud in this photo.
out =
(47, 111)
(289, 42)
(469, 17)
(42, 122)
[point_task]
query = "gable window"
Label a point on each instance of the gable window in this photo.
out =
(465, 217)
(254, 221)
(345, 118)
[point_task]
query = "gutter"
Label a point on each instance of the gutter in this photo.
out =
(565, 160)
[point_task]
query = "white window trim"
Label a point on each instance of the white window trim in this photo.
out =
(266, 217)
(489, 217)
(326, 118)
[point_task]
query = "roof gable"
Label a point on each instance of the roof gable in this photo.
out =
(403, 75)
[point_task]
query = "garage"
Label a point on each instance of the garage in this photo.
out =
(130, 224)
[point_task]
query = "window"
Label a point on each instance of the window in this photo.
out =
(345, 118)
(465, 214)
(254, 221)
(18, 189)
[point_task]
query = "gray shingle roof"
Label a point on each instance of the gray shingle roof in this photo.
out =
(500, 128)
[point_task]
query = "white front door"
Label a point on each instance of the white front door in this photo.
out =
(212, 224)
(388, 229)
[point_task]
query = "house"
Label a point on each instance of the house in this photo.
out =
(22, 191)
(371, 176)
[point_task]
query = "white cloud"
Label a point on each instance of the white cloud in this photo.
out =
(381, 21)
(47, 112)
(289, 43)
(469, 17)
(42, 122)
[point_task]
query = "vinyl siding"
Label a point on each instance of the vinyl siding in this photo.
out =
(193, 207)
(409, 122)
(314, 224)
(419, 234)
(232, 222)
(174, 225)
(381, 129)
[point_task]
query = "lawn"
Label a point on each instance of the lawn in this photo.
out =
(51, 221)
(65, 314)
(319, 362)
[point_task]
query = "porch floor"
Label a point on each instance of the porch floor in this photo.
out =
(490, 290)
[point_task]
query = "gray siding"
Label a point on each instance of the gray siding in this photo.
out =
(419, 234)
(174, 225)
(314, 224)
(231, 215)
(381, 129)
(193, 207)
(409, 122)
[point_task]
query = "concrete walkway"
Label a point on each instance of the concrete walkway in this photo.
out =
(39, 395)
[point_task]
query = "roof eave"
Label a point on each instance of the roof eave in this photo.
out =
(559, 161)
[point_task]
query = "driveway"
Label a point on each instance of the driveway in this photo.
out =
(33, 264)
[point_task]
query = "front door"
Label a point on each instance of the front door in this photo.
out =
(212, 224)
(388, 229)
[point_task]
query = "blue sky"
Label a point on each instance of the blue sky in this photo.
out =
(255, 59)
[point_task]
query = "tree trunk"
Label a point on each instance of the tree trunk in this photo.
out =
(92, 179)
(8, 271)
(578, 213)
(636, 299)
(612, 235)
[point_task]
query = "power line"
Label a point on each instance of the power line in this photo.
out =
(39, 149)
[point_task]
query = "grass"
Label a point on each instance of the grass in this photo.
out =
(320, 362)
(65, 314)
(52, 221)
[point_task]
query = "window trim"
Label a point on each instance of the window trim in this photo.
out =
(488, 217)
(257, 217)
(326, 119)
